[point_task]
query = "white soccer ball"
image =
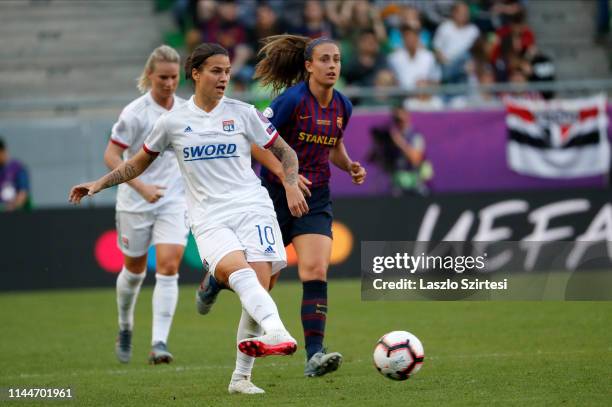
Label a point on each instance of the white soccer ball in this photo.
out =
(398, 355)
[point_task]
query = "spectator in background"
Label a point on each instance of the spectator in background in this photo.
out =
(204, 12)
(413, 62)
(224, 27)
(482, 76)
(519, 78)
(480, 15)
(314, 23)
(434, 12)
(479, 56)
(384, 80)
(362, 68)
(14, 182)
(351, 18)
(399, 150)
(452, 42)
(517, 30)
(267, 23)
(424, 101)
(406, 15)
(504, 11)
(543, 70)
(511, 57)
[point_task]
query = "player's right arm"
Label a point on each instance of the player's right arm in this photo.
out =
(127, 171)
(113, 158)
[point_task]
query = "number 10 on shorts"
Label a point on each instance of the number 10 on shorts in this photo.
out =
(266, 233)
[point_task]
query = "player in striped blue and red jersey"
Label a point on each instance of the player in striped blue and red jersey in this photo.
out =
(311, 116)
(311, 129)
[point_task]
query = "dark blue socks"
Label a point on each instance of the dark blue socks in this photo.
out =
(314, 313)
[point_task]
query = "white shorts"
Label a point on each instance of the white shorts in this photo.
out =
(258, 236)
(136, 231)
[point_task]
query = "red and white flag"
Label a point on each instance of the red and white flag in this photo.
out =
(558, 138)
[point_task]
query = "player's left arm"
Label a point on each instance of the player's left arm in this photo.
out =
(289, 161)
(269, 160)
(259, 130)
(340, 158)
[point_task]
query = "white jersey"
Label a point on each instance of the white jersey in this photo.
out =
(214, 154)
(134, 125)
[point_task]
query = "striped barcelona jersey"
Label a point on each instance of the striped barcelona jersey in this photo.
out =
(309, 129)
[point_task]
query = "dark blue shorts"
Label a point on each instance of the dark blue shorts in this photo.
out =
(318, 220)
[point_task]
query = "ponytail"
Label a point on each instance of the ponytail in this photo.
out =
(283, 61)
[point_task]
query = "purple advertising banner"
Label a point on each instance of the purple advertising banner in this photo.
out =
(467, 150)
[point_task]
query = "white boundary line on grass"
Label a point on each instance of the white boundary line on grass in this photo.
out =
(179, 369)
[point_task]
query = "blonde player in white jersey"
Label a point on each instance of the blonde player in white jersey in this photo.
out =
(231, 214)
(151, 209)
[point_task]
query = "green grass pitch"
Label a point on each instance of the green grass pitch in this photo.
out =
(476, 353)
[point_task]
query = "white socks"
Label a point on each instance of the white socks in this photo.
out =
(165, 297)
(247, 328)
(255, 299)
(128, 287)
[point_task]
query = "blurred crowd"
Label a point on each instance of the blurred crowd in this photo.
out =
(407, 44)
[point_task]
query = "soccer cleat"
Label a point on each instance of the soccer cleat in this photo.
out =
(272, 343)
(123, 346)
(244, 386)
(159, 354)
(207, 293)
(322, 363)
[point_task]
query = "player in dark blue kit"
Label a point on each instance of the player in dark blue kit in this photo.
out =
(311, 116)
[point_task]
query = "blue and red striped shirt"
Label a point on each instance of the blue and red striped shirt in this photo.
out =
(309, 129)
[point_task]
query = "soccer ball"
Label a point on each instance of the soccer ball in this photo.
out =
(398, 355)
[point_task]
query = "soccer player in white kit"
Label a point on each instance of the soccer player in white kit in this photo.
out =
(231, 215)
(150, 209)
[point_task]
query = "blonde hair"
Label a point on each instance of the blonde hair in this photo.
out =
(162, 53)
